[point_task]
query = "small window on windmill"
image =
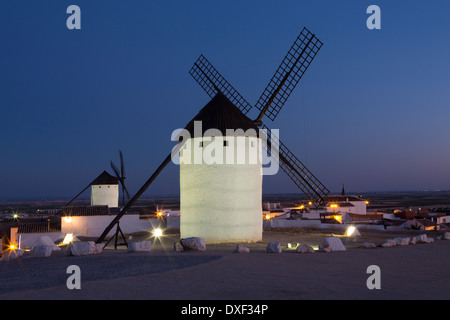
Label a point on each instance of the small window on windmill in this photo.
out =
(225, 143)
(252, 144)
(200, 144)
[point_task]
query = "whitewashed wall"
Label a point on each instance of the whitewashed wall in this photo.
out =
(222, 202)
(105, 195)
(93, 226)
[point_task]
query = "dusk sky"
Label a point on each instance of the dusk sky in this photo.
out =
(372, 111)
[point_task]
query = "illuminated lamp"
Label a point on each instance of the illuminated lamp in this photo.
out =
(352, 231)
(68, 238)
(157, 232)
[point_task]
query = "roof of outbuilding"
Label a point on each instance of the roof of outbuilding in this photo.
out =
(221, 114)
(85, 211)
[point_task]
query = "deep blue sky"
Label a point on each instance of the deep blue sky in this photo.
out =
(372, 111)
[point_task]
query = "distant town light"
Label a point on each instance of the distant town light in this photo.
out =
(367, 202)
(68, 219)
(310, 203)
(267, 217)
(12, 247)
(159, 214)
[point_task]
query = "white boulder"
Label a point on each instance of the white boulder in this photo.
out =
(177, 247)
(368, 245)
(139, 246)
(45, 241)
(241, 249)
(389, 243)
(12, 254)
(304, 248)
(334, 243)
(421, 238)
(42, 251)
(273, 247)
(324, 247)
(402, 241)
(193, 244)
(84, 248)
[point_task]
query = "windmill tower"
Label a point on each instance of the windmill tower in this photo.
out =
(215, 205)
(220, 176)
(105, 191)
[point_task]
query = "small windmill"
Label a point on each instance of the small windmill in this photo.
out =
(273, 98)
(121, 176)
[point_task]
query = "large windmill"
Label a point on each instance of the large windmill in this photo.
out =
(225, 99)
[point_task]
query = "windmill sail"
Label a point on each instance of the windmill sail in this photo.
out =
(314, 190)
(212, 81)
(288, 74)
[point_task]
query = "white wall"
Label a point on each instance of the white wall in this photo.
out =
(105, 195)
(93, 226)
(221, 202)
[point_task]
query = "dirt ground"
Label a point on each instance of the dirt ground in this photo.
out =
(409, 272)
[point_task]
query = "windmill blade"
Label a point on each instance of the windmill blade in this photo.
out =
(116, 170)
(288, 74)
(68, 203)
(124, 188)
(140, 192)
(314, 190)
(212, 82)
(122, 165)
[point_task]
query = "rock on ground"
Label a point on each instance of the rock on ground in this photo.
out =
(12, 254)
(402, 241)
(389, 243)
(334, 243)
(193, 244)
(42, 250)
(304, 248)
(84, 248)
(139, 246)
(273, 247)
(241, 249)
(368, 245)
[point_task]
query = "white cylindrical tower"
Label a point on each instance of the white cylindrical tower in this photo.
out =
(221, 176)
(105, 191)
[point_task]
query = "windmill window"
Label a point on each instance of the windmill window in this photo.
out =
(200, 144)
(252, 144)
(225, 143)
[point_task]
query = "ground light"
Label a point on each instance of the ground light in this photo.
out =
(352, 231)
(157, 232)
(68, 238)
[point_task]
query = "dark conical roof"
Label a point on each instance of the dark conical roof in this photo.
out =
(221, 114)
(105, 178)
